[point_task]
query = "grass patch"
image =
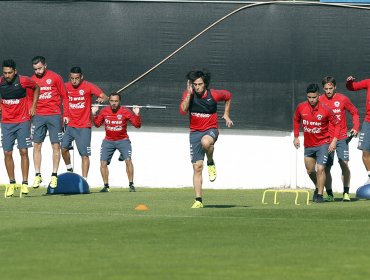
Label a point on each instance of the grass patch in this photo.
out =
(101, 236)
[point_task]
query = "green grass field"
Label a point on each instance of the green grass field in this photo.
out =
(102, 236)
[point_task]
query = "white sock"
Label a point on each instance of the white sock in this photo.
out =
(69, 166)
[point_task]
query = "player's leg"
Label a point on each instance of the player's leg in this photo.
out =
(24, 142)
(329, 180)
(197, 154)
(8, 140)
(66, 144)
(54, 126)
(82, 137)
(38, 133)
(364, 145)
(125, 149)
(106, 152)
(85, 166)
(105, 175)
(208, 140)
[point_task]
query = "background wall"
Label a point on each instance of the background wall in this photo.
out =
(265, 55)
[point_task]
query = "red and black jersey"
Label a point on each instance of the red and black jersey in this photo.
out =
(315, 124)
(14, 105)
(339, 104)
(203, 110)
(115, 123)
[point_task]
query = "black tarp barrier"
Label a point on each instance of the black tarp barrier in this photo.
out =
(265, 55)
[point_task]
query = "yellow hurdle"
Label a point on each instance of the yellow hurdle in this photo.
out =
(286, 191)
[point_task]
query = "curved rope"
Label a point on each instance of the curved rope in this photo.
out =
(229, 15)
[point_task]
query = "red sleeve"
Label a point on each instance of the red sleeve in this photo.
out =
(59, 83)
(297, 120)
(221, 95)
(182, 112)
(99, 118)
(27, 82)
(364, 84)
(354, 112)
(335, 122)
(95, 89)
(135, 120)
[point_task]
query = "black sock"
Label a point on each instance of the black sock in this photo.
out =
(198, 199)
(25, 182)
(329, 192)
(54, 174)
(70, 169)
(345, 190)
(38, 174)
(12, 181)
(106, 186)
(316, 191)
(210, 162)
(131, 184)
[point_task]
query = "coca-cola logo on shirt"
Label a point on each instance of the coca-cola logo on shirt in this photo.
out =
(79, 105)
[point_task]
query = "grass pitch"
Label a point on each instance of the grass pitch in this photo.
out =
(102, 236)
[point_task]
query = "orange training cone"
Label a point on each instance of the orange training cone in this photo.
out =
(142, 207)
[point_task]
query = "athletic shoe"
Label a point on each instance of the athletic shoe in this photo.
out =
(24, 189)
(37, 182)
(70, 170)
(346, 197)
(314, 197)
(319, 199)
(197, 204)
(330, 198)
(132, 188)
(53, 182)
(9, 190)
(212, 173)
(105, 189)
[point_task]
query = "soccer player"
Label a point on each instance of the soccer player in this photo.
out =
(80, 93)
(315, 118)
(15, 125)
(364, 138)
(48, 117)
(201, 104)
(115, 118)
(340, 104)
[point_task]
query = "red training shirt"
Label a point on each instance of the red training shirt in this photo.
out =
(315, 123)
(116, 123)
(339, 104)
(80, 103)
(202, 121)
(364, 84)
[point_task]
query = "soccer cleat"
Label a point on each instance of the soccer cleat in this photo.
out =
(132, 188)
(319, 199)
(105, 189)
(330, 198)
(37, 182)
(24, 189)
(9, 190)
(197, 204)
(346, 197)
(212, 173)
(314, 197)
(53, 182)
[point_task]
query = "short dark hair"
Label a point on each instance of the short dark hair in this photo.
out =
(38, 59)
(76, 70)
(327, 80)
(312, 88)
(115, 94)
(196, 74)
(9, 63)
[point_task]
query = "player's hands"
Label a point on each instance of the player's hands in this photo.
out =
(94, 110)
(190, 88)
(354, 132)
(296, 143)
(350, 79)
(32, 111)
(136, 109)
(65, 120)
(332, 146)
(229, 122)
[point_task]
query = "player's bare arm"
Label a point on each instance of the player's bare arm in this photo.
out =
(36, 93)
(226, 115)
(185, 103)
(296, 142)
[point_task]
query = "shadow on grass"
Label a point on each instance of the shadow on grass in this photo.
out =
(353, 199)
(224, 206)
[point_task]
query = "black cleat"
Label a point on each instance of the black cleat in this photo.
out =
(132, 188)
(105, 189)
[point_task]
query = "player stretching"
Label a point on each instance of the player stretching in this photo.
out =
(115, 118)
(201, 103)
(318, 146)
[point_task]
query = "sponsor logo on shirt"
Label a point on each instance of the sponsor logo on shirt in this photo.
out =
(114, 128)
(201, 115)
(45, 95)
(10, 101)
(79, 105)
(45, 88)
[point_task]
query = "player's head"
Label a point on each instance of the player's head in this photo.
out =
(200, 80)
(313, 94)
(75, 76)
(39, 65)
(9, 69)
(115, 101)
(329, 86)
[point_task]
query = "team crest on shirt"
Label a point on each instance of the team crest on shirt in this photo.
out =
(119, 117)
(319, 117)
(81, 92)
(336, 103)
(48, 81)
